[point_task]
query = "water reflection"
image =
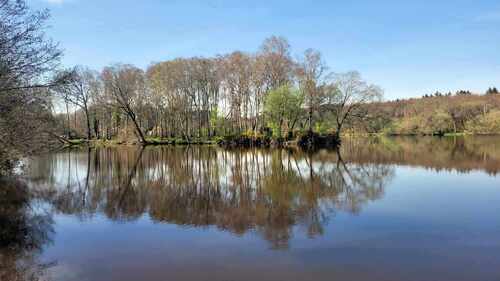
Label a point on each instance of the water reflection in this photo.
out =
(418, 203)
(238, 191)
(24, 230)
(461, 154)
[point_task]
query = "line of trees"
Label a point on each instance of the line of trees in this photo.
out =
(435, 115)
(266, 92)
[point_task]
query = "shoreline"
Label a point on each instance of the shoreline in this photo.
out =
(270, 144)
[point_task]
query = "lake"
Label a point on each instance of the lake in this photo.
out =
(395, 208)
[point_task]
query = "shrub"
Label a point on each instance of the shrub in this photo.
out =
(485, 124)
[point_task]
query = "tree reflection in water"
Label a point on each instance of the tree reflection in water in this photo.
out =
(24, 230)
(264, 191)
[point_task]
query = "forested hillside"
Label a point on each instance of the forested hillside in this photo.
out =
(462, 112)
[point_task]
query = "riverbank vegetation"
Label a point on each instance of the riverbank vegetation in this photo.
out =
(238, 98)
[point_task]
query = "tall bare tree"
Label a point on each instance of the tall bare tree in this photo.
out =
(79, 91)
(236, 72)
(348, 93)
(124, 87)
(311, 72)
(277, 63)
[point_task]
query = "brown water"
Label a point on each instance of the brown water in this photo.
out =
(378, 209)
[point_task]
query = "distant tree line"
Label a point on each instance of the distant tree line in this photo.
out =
(490, 91)
(461, 113)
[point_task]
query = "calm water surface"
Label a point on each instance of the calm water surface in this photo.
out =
(381, 209)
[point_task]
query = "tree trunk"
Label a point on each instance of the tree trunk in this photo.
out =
(68, 129)
(89, 129)
(339, 129)
(310, 117)
(142, 139)
(96, 128)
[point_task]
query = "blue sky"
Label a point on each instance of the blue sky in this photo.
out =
(409, 48)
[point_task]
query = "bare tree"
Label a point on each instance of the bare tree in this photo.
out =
(205, 85)
(277, 63)
(236, 72)
(124, 86)
(311, 72)
(163, 80)
(26, 55)
(80, 90)
(348, 93)
(27, 60)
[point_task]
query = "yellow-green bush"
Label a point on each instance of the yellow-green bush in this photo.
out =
(438, 123)
(485, 124)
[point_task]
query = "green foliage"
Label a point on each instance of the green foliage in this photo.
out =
(439, 123)
(276, 129)
(321, 127)
(408, 126)
(378, 123)
(437, 115)
(282, 107)
(251, 134)
(485, 124)
(214, 117)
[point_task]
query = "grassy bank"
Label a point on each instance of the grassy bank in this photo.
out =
(150, 141)
(245, 141)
